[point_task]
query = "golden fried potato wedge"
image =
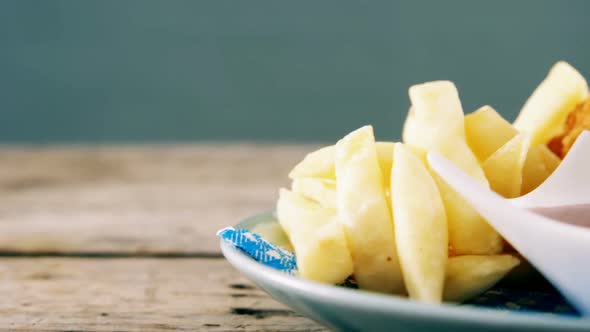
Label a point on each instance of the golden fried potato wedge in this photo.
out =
(549, 158)
(364, 212)
(317, 237)
(539, 164)
(274, 233)
(420, 226)
(471, 275)
(320, 190)
(544, 113)
(316, 164)
(504, 167)
(320, 163)
(487, 131)
(576, 122)
(436, 124)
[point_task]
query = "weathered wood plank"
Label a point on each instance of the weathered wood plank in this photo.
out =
(136, 294)
(134, 199)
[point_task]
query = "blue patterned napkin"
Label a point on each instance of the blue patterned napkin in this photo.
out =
(497, 298)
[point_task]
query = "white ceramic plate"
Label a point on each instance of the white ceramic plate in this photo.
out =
(345, 309)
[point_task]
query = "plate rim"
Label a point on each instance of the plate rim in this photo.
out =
(379, 302)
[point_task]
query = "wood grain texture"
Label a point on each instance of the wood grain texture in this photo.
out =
(136, 294)
(135, 199)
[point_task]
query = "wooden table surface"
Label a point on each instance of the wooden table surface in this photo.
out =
(105, 238)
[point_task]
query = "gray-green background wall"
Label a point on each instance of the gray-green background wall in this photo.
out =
(140, 70)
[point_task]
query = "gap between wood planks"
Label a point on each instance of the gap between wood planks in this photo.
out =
(109, 255)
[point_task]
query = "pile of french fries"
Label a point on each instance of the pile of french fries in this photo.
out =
(377, 212)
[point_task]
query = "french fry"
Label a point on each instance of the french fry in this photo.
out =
(316, 164)
(317, 236)
(273, 232)
(320, 163)
(544, 113)
(549, 158)
(364, 213)
(504, 167)
(471, 275)
(321, 190)
(486, 131)
(435, 123)
(539, 164)
(385, 156)
(420, 226)
(576, 122)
